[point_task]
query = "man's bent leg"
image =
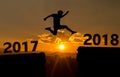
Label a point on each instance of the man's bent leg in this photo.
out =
(49, 29)
(64, 26)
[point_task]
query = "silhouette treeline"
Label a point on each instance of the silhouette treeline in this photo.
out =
(98, 61)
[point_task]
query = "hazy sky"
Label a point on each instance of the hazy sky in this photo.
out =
(21, 19)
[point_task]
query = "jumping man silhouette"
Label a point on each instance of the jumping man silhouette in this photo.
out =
(56, 22)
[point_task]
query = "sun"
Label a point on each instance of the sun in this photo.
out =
(61, 47)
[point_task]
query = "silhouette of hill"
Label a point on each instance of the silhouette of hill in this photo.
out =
(98, 61)
(88, 62)
(23, 65)
(39, 65)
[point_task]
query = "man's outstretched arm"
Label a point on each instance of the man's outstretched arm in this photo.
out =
(65, 13)
(48, 17)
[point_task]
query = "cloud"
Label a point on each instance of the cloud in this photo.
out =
(62, 36)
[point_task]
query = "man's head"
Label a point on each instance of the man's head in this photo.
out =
(60, 12)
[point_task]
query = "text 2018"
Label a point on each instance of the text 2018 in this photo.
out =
(96, 39)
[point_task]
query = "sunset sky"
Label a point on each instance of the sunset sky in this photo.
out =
(23, 19)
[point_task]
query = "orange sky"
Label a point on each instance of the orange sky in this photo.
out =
(23, 19)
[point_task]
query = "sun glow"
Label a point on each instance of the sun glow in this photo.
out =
(61, 47)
